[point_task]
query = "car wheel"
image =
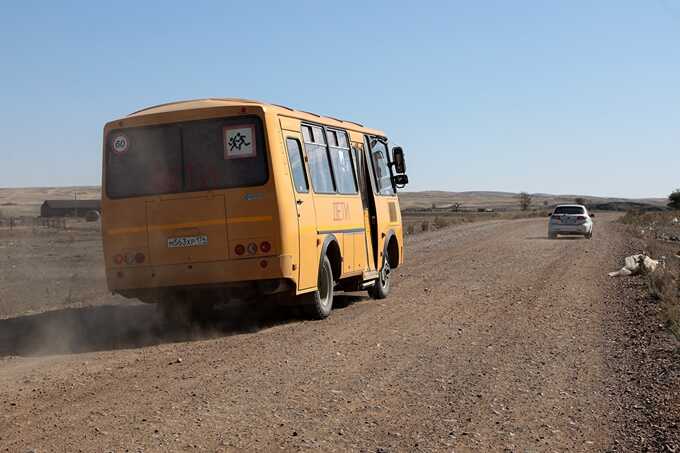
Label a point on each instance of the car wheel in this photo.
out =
(319, 303)
(381, 288)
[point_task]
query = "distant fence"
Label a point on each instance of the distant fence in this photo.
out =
(9, 222)
(12, 223)
(58, 223)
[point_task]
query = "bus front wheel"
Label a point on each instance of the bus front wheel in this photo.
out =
(381, 288)
(318, 304)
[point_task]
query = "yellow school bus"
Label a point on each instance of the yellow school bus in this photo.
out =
(218, 199)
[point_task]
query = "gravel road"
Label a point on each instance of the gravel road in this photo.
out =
(493, 339)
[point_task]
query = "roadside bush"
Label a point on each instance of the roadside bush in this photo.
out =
(670, 306)
(664, 287)
(525, 201)
(661, 285)
(674, 199)
(635, 218)
(671, 311)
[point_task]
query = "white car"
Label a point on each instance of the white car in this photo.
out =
(570, 219)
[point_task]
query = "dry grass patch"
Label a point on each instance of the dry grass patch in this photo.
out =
(664, 287)
(664, 284)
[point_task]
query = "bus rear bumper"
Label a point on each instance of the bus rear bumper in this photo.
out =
(221, 273)
(214, 293)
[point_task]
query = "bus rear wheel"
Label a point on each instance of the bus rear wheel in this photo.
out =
(381, 288)
(318, 304)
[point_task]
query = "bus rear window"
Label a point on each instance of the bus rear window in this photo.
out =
(186, 157)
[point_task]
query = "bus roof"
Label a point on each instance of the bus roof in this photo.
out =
(235, 102)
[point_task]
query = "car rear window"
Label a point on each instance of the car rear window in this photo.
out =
(574, 210)
(186, 157)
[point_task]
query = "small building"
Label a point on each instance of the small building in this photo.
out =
(69, 208)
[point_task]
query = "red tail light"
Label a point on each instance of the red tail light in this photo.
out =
(239, 249)
(265, 247)
(118, 259)
(140, 258)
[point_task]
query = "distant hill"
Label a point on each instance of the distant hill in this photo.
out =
(27, 201)
(509, 201)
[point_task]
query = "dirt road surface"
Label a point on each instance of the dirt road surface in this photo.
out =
(493, 339)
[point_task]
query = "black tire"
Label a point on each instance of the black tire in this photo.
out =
(589, 235)
(319, 303)
(381, 287)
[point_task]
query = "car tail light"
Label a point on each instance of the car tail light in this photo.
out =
(239, 249)
(265, 246)
(118, 259)
(252, 248)
(140, 258)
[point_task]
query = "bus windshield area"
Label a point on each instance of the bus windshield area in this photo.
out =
(185, 157)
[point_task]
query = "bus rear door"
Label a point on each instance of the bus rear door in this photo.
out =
(306, 216)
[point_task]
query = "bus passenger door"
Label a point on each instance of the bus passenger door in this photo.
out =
(369, 220)
(385, 201)
(308, 258)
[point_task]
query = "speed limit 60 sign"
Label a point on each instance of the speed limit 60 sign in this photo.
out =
(120, 143)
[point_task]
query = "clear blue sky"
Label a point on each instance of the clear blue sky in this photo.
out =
(561, 97)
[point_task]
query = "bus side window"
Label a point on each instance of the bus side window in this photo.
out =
(297, 165)
(360, 170)
(342, 162)
(318, 160)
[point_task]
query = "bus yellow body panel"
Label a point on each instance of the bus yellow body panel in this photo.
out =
(174, 215)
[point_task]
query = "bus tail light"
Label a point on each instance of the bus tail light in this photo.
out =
(239, 249)
(265, 247)
(129, 258)
(252, 248)
(140, 258)
(118, 259)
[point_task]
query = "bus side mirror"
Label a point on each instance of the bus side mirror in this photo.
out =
(398, 160)
(399, 181)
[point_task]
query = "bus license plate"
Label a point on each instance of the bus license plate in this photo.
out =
(187, 241)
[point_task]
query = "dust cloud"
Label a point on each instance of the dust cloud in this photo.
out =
(126, 326)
